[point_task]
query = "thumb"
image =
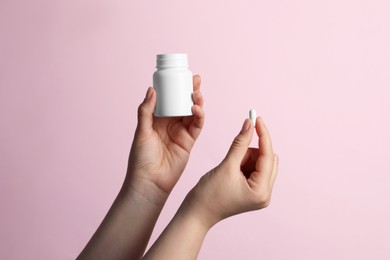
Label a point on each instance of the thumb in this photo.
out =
(240, 144)
(145, 111)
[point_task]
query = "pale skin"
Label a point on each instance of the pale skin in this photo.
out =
(158, 156)
(242, 182)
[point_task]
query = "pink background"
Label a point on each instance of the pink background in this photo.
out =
(72, 74)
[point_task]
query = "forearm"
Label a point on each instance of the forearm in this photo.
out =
(127, 227)
(181, 239)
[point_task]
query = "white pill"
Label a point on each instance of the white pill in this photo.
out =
(252, 116)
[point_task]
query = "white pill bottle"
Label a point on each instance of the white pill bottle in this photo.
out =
(173, 84)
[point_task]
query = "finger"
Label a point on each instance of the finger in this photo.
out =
(198, 98)
(145, 111)
(196, 80)
(265, 143)
(274, 170)
(265, 161)
(197, 123)
(240, 144)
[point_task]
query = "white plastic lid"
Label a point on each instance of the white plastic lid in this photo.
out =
(172, 60)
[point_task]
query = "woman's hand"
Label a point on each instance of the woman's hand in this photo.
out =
(162, 145)
(242, 182)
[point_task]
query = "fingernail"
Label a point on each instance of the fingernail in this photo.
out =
(149, 93)
(246, 126)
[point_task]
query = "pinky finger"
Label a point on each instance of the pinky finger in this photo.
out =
(197, 124)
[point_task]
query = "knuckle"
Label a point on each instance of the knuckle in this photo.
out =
(237, 142)
(141, 109)
(267, 202)
(263, 199)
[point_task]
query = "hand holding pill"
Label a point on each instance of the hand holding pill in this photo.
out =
(242, 182)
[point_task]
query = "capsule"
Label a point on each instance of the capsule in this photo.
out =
(252, 116)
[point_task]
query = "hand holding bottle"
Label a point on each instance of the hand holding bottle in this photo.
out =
(162, 145)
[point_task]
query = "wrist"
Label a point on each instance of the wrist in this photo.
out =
(196, 212)
(144, 190)
(193, 219)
